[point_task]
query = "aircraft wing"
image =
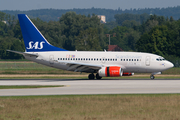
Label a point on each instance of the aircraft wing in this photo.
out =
(81, 67)
(23, 53)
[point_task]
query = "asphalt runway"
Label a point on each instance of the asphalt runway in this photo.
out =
(83, 87)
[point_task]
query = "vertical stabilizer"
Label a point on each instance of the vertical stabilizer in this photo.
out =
(33, 39)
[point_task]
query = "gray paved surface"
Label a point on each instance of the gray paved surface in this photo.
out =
(92, 87)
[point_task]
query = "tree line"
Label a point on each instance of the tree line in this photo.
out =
(144, 33)
(55, 14)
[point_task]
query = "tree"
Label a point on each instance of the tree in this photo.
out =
(72, 24)
(88, 40)
(154, 42)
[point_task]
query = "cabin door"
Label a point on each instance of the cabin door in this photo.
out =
(147, 61)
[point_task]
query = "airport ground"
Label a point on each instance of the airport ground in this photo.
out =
(80, 99)
(91, 107)
(135, 106)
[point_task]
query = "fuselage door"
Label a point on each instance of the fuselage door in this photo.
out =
(147, 61)
(51, 59)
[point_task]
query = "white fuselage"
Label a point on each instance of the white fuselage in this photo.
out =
(128, 61)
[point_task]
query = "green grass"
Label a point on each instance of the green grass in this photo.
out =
(27, 86)
(29, 68)
(26, 67)
(91, 107)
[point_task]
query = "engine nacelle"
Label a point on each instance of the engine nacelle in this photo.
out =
(128, 74)
(112, 71)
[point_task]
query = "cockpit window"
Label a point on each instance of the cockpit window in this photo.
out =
(160, 59)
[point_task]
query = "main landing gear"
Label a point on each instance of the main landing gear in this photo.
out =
(91, 76)
(98, 77)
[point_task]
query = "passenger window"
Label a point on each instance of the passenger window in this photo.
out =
(115, 59)
(100, 59)
(61, 58)
(73, 58)
(129, 59)
(126, 59)
(134, 59)
(78, 58)
(92, 59)
(97, 59)
(105, 59)
(123, 59)
(66, 58)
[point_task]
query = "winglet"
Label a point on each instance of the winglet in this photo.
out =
(33, 39)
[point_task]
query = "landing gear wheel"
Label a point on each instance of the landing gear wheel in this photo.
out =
(97, 76)
(91, 76)
(152, 77)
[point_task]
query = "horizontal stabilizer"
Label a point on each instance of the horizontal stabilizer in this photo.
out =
(23, 53)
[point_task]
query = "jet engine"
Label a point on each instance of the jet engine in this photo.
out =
(112, 71)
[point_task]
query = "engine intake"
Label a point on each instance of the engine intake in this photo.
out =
(112, 71)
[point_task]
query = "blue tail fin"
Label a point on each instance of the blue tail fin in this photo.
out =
(33, 39)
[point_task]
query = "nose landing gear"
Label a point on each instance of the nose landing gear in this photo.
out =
(152, 77)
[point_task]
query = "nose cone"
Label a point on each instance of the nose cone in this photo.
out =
(169, 65)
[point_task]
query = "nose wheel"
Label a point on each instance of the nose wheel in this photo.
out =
(152, 77)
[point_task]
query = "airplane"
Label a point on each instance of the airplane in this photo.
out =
(102, 63)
